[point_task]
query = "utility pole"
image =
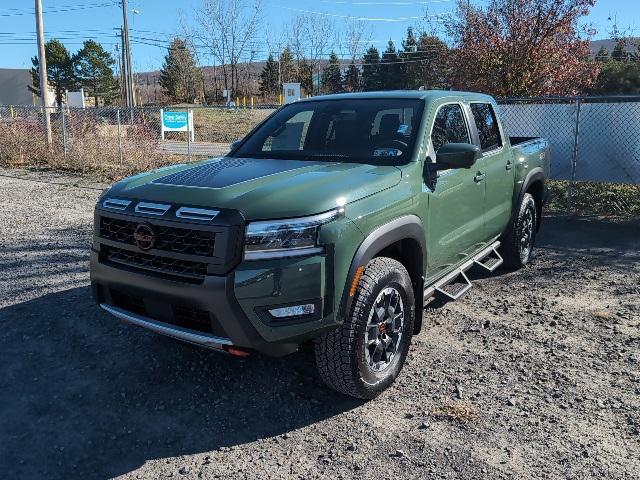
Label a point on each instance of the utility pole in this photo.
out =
(124, 72)
(121, 73)
(126, 55)
(42, 63)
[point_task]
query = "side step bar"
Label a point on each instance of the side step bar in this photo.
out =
(492, 261)
(455, 284)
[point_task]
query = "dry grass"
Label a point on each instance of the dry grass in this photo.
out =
(219, 125)
(91, 147)
(602, 315)
(596, 198)
(456, 411)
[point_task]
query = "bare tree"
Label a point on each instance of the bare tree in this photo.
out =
(228, 29)
(311, 39)
(357, 36)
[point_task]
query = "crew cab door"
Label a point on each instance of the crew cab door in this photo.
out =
(455, 220)
(496, 165)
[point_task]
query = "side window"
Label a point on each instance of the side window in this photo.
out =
(487, 125)
(292, 135)
(449, 126)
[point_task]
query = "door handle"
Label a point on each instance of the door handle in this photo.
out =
(508, 167)
(479, 177)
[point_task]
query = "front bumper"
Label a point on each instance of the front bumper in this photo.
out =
(235, 302)
(186, 335)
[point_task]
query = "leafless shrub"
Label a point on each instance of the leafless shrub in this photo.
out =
(91, 147)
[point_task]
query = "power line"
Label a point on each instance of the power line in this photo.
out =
(397, 3)
(58, 9)
(369, 19)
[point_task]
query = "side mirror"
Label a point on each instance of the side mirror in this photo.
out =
(235, 143)
(457, 155)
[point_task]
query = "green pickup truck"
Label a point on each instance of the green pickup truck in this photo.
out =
(334, 222)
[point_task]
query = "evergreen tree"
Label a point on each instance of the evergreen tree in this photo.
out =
(412, 58)
(179, 74)
(619, 72)
(352, 78)
(287, 67)
(305, 77)
(391, 73)
(269, 86)
(619, 52)
(371, 80)
(93, 67)
(331, 75)
(60, 72)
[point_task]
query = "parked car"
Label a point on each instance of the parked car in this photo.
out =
(334, 221)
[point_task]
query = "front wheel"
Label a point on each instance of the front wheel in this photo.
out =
(517, 248)
(365, 355)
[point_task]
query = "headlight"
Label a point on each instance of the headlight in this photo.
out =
(285, 238)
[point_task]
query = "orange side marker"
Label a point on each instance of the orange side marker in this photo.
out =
(356, 279)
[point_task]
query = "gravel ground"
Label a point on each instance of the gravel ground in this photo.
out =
(534, 374)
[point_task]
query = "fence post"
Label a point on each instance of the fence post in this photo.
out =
(189, 127)
(64, 133)
(574, 160)
(119, 136)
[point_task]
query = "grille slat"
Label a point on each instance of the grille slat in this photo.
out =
(154, 262)
(170, 239)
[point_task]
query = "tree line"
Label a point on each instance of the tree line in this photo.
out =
(501, 47)
(90, 68)
(422, 60)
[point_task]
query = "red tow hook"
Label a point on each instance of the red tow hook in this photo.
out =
(237, 352)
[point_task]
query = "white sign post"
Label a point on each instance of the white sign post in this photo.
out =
(291, 92)
(176, 122)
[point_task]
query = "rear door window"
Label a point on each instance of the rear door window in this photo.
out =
(487, 125)
(449, 126)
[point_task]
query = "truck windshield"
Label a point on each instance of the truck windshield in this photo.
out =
(378, 131)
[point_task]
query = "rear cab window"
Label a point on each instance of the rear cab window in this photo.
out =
(487, 125)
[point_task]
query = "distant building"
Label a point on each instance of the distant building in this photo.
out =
(14, 87)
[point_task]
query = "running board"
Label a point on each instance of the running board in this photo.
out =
(455, 288)
(456, 283)
(492, 261)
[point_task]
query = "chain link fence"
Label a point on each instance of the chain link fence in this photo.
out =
(595, 149)
(595, 142)
(115, 142)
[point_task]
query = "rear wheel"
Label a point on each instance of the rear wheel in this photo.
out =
(365, 355)
(517, 249)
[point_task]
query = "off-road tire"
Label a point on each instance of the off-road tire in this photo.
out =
(340, 354)
(512, 248)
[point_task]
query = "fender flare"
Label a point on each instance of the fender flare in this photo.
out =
(534, 175)
(406, 227)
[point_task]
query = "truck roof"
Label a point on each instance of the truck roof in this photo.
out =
(418, 94)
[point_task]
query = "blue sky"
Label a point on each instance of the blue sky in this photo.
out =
(158, 20)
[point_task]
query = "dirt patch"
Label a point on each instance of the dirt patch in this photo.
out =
(547, 358)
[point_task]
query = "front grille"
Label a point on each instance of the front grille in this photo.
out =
(169, 239)
(154, 262)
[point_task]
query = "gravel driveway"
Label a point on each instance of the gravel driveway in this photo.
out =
(533, 374)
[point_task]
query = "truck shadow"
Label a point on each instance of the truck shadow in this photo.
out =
(85, 397)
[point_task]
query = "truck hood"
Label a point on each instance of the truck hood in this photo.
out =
(260, 188)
